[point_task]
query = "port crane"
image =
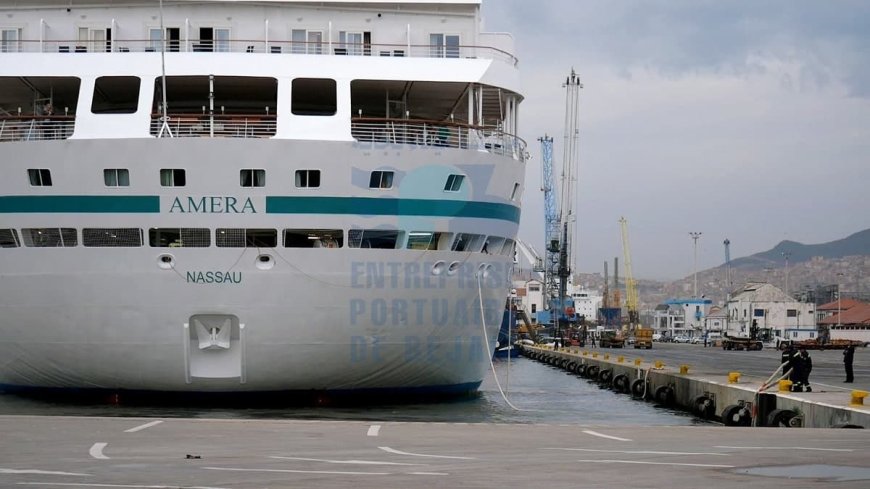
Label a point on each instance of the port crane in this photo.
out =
(559, 223)
(630, 284)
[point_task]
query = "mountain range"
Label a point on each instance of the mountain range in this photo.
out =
(854, 245)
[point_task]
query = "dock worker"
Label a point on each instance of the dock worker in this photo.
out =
(848, 357)
(788, 362)
(805, 366)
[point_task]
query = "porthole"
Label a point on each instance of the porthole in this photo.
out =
(483, 270)
(438, 268)
(453, 268)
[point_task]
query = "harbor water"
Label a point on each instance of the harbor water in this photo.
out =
(541, 393)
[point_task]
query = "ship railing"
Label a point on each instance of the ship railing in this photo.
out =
(395, 50)
(382, 132)
(35, 127)
(217, 125)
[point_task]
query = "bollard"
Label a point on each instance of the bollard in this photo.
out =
(638, 361)
(594, 355)
(607, 356)
(858, 398)
(785, 385)
(660, 364)
(684, 369)
(733, 377)
(620, 359)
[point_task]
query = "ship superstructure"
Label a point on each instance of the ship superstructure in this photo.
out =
(321, 196)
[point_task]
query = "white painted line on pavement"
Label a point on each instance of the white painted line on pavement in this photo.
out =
(790, 448)
(397, 452)
(37, 472)
(428, 473)
(143, 427)
(96, 451)
(288, 471)
(639, 452)
(52, 484)
(352, 462)
(655, 463)
(374, 430)
(595, 433)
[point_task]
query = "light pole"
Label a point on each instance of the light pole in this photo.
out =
(695, 236)
(839, 297)
(786, 255)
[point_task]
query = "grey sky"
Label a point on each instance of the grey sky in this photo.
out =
(741, 119)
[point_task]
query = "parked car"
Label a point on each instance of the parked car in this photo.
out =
(657, 337)
(681, 339)
(696, 340)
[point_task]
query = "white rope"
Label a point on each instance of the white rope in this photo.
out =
(488, 352)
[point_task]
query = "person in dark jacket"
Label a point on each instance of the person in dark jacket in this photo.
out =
(788, 361)
(848, 356)
(806, 366)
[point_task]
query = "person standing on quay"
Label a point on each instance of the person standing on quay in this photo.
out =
(848, 356)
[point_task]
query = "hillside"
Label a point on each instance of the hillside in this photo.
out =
(854, 245)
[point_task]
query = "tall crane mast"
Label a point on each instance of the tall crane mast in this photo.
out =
(551, 221)
(630, 284)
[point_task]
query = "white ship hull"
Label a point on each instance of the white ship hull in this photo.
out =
(407, 129)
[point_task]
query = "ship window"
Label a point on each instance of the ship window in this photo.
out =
(493, 245)
(179, 238)
(515, 191)
(310, 42)
(116, 95)
(111, 237)
(307, 178)
(49, 237)
(468, 242)
(313, 238)
(454, 183)
(10, 40)
(246, 238)
(372, 238)
(422, 240)
(252, 178)
(381, 179)
(443, 45)
(313, 96)
(39, 177)
(116, 177)
(508, 248)
(173, 177)
(9, 238)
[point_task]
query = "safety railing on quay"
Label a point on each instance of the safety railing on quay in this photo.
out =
(223, 125)
(34, 128)
(397, 50)
(382, 131)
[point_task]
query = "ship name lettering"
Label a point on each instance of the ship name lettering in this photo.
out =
(212, 205)
(214, 277)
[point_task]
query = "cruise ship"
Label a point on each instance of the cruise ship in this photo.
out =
(255, 196)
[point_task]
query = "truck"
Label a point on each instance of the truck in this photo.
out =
(732, 341)
(643, 338)
(815, 344)
(611, 339)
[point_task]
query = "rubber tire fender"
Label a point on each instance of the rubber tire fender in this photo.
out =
(571, 366)
(704, 407)
(580, 370)
(736, 415)
(621, 383)
(637, 388)
(779, 418)
(564, 363)
(592, 371)
(665, 395)
(606, 376)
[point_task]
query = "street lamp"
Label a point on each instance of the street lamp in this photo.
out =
(695, 235)
(786, 255)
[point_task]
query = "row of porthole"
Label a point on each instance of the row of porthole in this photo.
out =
(166, 261)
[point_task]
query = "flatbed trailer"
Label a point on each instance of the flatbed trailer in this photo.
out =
(817, 345)
(732, 343)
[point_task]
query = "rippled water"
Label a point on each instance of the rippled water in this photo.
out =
(542, 393)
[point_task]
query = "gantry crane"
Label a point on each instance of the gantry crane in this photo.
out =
(630, 284)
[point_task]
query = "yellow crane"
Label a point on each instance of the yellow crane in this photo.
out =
(630, 284)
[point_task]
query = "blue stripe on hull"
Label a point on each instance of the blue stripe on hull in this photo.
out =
(368, 206)
(85, 204)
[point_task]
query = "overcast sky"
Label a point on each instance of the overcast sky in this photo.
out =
(741, 119)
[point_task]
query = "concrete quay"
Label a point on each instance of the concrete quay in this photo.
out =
(55, 452)
(716, 385)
